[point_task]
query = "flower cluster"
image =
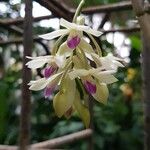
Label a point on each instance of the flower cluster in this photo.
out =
(76, 69)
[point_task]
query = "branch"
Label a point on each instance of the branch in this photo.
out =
(120, 6)
(57, 142)
(50, 5)
(104, 20)
(19, 21)
(126, 5)
(7, 147)
(125, 30)
(14, 29)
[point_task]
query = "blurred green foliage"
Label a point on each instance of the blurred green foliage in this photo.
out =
(117, 126)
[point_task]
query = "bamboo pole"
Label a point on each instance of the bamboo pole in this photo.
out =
(144, 21)
(24, 139)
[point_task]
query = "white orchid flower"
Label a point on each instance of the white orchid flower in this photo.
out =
(71, 28)
(48, 84)
(38, 62)
(108, 62)
(75, 35)
(96, 86)
(103, 76)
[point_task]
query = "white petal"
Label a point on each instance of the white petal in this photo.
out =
(89, 56)
(43, 82)
(54, 78)
(37, 63)
(106, 78)
(70, 25)
(110, 62)
(102, 93)
(85, 46)
(96, 59)
(38, 84)
(66, 23)
(54, 34)
(93, 32)
(39, 57)
(64, 50)
(78, 73)
(60, 60)
(117, 63)
(107, 72)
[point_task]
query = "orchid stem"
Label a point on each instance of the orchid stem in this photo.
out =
(78, 11)
(84, 57)
(65, 72)
(55, 47)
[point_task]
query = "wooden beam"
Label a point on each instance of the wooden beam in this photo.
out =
(124, 30)
(54, 9)
(19, 21)
(115, 7)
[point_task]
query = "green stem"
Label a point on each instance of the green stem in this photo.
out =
(84, 57)
(55, 47)
(78, 11)
(98, 49)
(67, 67)
(81, 86)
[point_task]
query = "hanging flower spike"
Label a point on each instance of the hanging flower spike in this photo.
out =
(69, 69)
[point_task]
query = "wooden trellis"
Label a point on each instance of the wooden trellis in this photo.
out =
(142, 12)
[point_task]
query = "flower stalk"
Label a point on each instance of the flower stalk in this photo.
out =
(78, 11)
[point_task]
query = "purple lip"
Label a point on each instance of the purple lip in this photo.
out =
(48, 91)
(73, 42)
(90, 87)
(49, 71)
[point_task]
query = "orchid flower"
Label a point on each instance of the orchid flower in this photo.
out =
(38, 62)
(74, 32)
(69, 69)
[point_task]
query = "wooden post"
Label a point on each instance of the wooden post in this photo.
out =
(24, 139)
(90, 139)
(144, 21)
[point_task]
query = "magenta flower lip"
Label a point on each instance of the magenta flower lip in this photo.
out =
(49, 71)
(73, 42)
(48, 91)
(90, 87)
